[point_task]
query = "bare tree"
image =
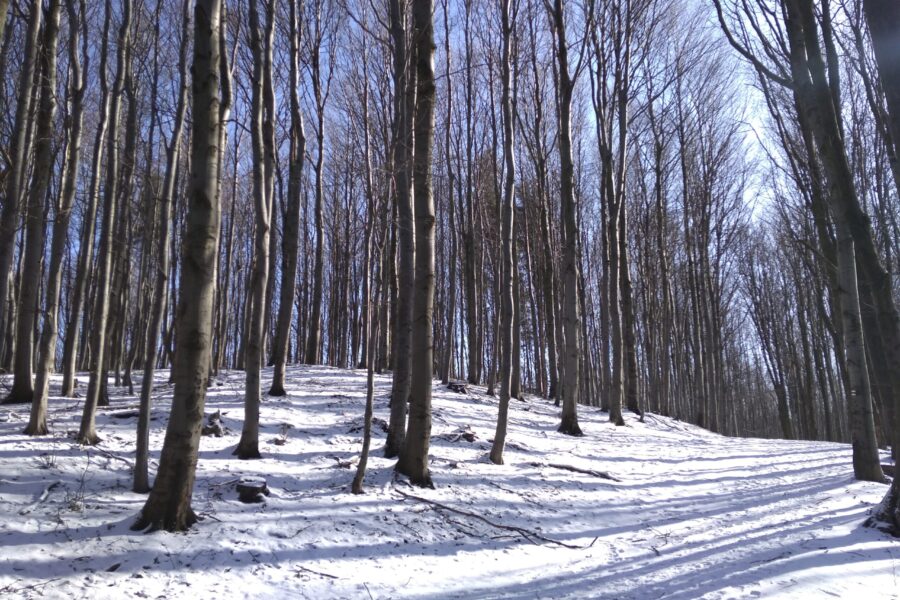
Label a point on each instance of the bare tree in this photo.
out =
(291, 234)
(163, 213)
(404, 98)
(87, 433)
(169, 504)
(322, 23)
(22, 391)
(414, 457)
(571, 309)
(261, 47)
(507, 298)
(37, 424)
(86, 245)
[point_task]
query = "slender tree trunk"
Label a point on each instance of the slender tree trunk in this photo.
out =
(314, 334)
(141, 482)
(248, 447)
(404, 92)
(22, 391)
(507, 227)
(34, 221)
(369, 328)
(86, 245)
(169, 504)
(37, 424)
(473, 295)
(449, 344)
(291, 229)
(414, 457)
(87, 433)
(571, 316)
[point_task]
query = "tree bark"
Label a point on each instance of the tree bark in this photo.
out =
(291, 229)
(571, 313)
(141, 483)
(414, 457)
(507, 227)
(37, 424)
(86, 245)
(4, 6)
(169, 504)
(248, 447)
(22, 391)
(883, 18)
(86, 433)
(404, 94)
(816, 101)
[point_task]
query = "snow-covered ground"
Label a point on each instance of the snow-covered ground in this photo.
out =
(692, 515)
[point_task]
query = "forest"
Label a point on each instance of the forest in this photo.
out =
(633, 220)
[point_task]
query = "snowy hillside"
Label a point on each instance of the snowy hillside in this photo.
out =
(692, 514)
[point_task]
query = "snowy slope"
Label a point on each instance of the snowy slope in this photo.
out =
(692, 515)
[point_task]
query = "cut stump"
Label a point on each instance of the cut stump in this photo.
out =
(252, 489)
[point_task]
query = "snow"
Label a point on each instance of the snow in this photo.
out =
(693, 514)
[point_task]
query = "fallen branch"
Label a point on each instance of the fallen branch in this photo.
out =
(600, 474)
(108, 454)
(317, 573)
(40, 498)
(529, 535)
(10, 589)
(11, 482)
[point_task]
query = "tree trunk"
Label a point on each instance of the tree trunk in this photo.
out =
(86, 433)
(248, 447)
(369, 328)
(571, 313)
(86, 245)
(404, 94)
(291, 228)
(33, 252)
(473, 300)
(169, 504)
(449, 344)
(414, 457)
(816, 101)
(15, 184)
(507, 226)
(883, 18)
(314, 335)
(141, 482)
(37, 424)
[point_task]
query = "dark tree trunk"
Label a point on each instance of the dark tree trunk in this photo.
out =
(414, 456)
(169, 504)
(87, 433)
(22, 391)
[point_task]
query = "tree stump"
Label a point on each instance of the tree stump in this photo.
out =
(458, 386)
(214, 425)
(252, 489)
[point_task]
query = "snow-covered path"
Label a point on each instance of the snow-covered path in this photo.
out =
(693, 514)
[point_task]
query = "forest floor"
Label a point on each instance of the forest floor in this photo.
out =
(693, 514)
